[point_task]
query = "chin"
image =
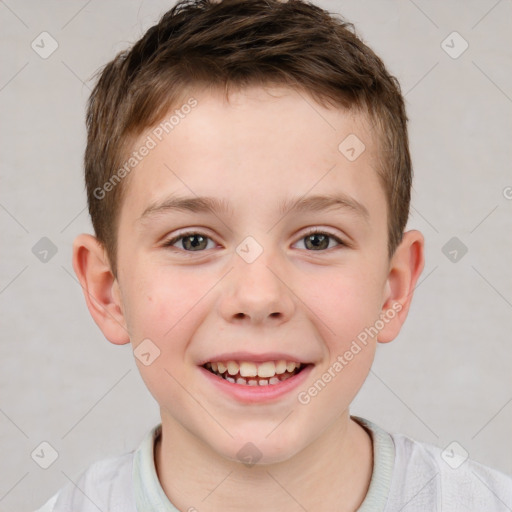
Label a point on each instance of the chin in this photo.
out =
(257, 450)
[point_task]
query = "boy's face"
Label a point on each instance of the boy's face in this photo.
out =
(256, 287)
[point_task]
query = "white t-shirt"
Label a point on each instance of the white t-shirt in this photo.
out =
(408, 476)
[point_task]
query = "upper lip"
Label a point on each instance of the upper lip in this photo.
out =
(255, 358)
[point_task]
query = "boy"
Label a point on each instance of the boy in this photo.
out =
(248, 179)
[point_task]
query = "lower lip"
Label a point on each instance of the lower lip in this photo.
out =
(258, 394)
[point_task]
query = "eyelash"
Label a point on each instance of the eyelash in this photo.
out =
(311, 231)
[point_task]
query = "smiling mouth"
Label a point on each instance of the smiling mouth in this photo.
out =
(245, 373)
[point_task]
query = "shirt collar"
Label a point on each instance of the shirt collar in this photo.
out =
(149, 494)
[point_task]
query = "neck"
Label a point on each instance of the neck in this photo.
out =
(334, 471)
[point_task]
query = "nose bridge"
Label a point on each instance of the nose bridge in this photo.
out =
(256, 290)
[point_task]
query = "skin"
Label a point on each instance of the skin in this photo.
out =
(259, 148)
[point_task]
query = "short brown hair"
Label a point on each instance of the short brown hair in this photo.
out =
(238, 43)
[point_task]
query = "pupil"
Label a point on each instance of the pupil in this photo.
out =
(318, 243)
(194, 243)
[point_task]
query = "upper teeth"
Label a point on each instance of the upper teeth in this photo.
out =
(266, 369)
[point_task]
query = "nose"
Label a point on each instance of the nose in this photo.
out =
(257, 293)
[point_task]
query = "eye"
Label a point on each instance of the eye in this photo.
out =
(317, 240)
(190, 242)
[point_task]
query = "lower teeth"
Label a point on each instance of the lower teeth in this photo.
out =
(256, 381)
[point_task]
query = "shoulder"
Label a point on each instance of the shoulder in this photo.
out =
(105, 485)
(445, 479)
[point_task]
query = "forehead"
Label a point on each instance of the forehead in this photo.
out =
(258, 148)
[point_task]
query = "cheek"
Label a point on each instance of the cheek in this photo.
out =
(165, 309)
(161, 301)
(345, 299)
(350, 307)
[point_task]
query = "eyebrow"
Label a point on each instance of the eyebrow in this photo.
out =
(295, 205)
(188, 204)
(324, 202)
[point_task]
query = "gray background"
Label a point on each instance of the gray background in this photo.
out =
(446, 378)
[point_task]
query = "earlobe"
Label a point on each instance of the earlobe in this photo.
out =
(100, 288)
(405, 268)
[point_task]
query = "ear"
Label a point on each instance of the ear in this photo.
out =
(100, 287)
(405, 268)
